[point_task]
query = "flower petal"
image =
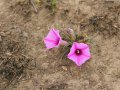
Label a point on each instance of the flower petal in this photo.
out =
(81, 45)
(78, 60)
(74, 58)
(49, 44)
(53, 35)
(53, 39)
(82, 59)
(72, 50)
(86, 52)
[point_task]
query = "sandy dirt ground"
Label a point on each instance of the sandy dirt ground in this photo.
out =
(24, 63)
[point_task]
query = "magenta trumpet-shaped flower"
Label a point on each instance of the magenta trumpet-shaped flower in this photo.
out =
(53, 39)
(79, 53)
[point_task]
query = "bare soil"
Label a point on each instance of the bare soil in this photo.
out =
(26, 65)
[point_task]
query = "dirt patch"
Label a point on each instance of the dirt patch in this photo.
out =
(58, 87)
(22, 8)
(13, 61)
(12, 69)
(106, 25)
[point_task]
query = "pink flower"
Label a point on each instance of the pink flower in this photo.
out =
(79, 53)
(53, 39)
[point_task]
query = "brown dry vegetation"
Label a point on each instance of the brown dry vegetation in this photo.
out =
(24, 63)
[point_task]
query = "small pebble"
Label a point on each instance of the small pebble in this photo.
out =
(115, 25)
(64, 68)
(8, 53)
(38, 28)
(2, 34)
(45, 65)
(25, 34)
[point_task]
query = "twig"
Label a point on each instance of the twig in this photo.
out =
(31, 1)
(1, 63)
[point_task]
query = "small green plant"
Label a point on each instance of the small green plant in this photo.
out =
(53, 5)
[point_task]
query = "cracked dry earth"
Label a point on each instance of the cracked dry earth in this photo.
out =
(24, 64)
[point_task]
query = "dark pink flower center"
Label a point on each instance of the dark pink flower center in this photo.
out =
(78, 52)
(57, 41)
